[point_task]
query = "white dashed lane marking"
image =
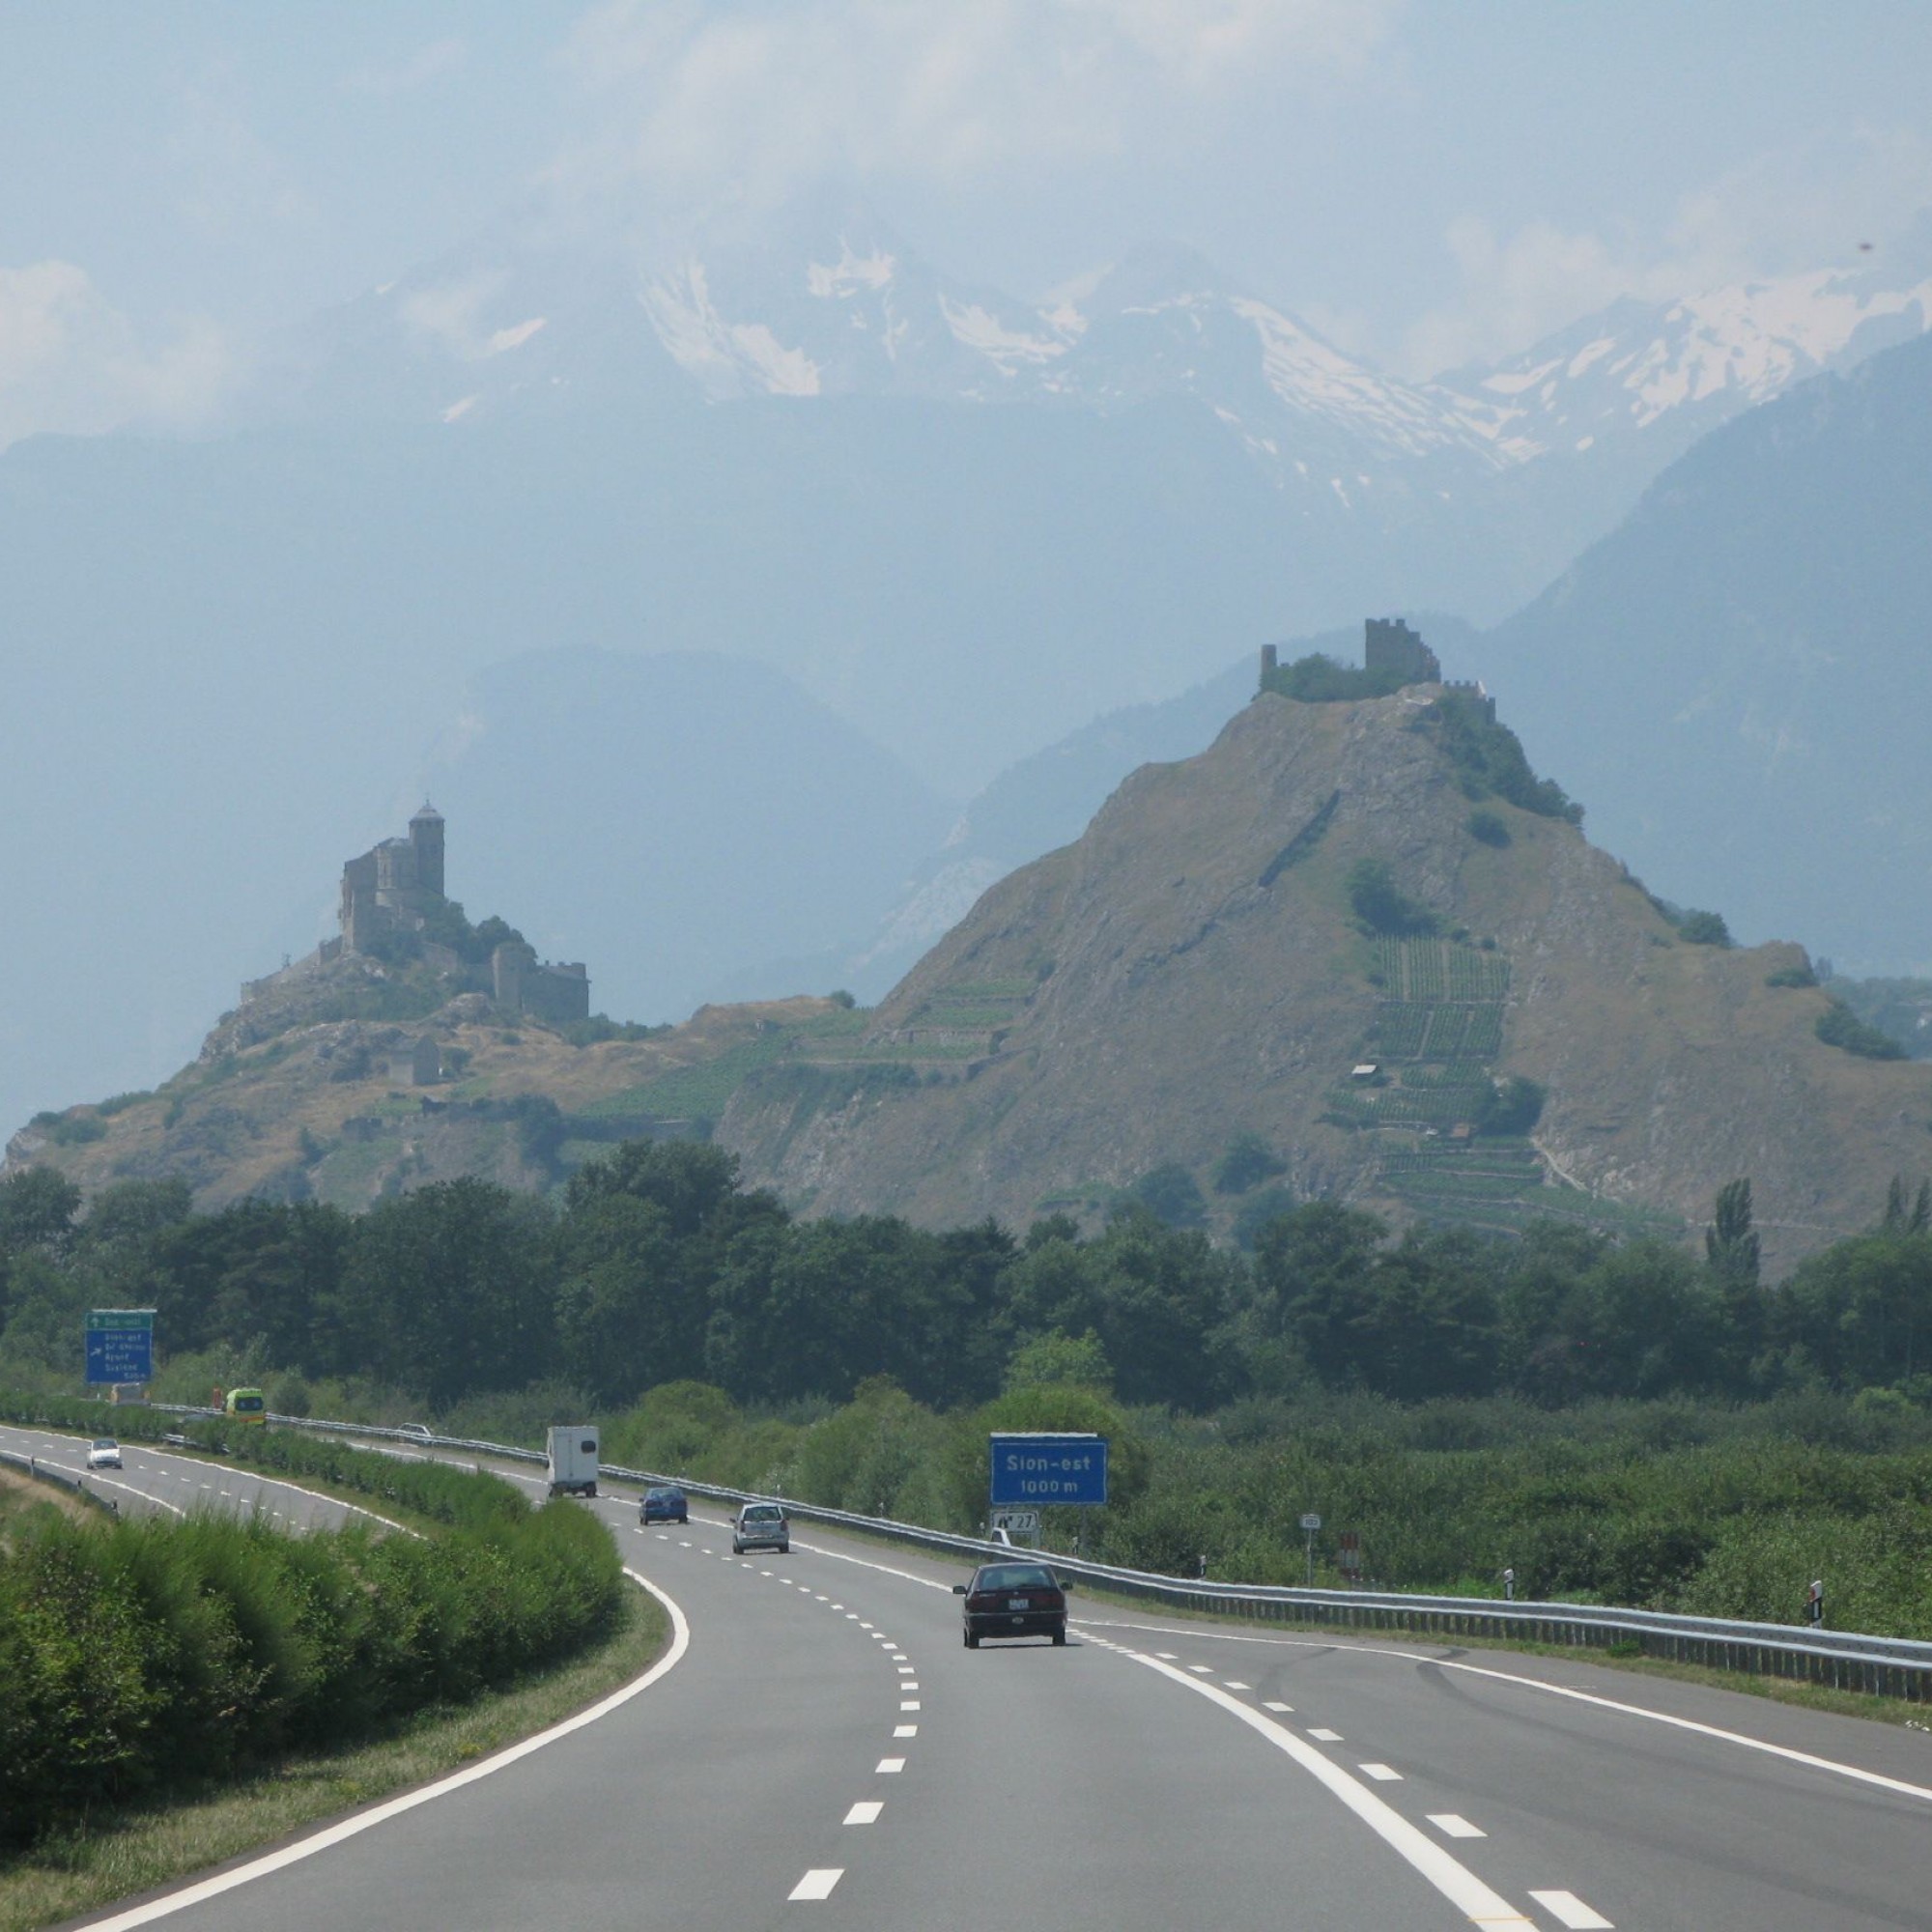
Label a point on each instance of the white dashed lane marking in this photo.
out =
(1324, 1737)
(1569, 1911)
(817, 1884)
(1452, 1825)
(1383, 1773)
(888, 1766)
(865, 1812)
(1288, 1708)
(913, 1706)
(905, 1730)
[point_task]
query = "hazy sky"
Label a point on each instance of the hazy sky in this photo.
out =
(1429, 181)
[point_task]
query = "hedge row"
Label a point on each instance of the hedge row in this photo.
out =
(142, 1654)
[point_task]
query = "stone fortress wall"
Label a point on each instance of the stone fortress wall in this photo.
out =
(1390, 646)
(389, 894)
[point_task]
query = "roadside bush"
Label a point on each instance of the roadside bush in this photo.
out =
(156, 1651)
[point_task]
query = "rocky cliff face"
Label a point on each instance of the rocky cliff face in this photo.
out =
(1192, 969)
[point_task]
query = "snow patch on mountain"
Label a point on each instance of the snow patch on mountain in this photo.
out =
(513, 338)
(726, 359)
(1008, 349)
(845, 278)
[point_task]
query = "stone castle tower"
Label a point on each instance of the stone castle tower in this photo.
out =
(390, 894)
(426, 836)
(1389, 645)
(390, 887)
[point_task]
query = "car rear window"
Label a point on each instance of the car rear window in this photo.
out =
(1016, 1576)
(763, 1513)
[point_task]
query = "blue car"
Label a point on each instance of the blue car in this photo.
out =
(664, 1502)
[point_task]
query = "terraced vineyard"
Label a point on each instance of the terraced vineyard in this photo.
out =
(1437, 1036)
(1438, 1032)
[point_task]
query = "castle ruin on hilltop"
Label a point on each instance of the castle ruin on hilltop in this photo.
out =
(1392, 658)
(394, 909)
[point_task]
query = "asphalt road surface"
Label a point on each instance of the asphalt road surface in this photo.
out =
(152, 1480)
(824, 1752)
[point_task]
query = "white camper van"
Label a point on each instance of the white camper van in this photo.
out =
(573, 1460)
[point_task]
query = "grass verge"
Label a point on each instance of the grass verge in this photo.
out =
(117, 1854)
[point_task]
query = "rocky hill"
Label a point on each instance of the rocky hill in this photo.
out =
(1197, 970)
(360, 1081)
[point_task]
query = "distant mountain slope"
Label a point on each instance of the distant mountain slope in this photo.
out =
(1738, 681)
(1188, 972)
(668, 819)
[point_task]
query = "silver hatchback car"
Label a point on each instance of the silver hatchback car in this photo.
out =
(761, 1527)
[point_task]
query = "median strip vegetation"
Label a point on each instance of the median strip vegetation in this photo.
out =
(142, 1658)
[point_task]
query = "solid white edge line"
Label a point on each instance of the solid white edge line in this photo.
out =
(363, 1821)
(1789, 1752)
(1454, 1881)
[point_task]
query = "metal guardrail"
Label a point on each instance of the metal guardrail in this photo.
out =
(45, 1472)
(1846, 1660)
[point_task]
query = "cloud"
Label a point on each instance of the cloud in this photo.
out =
(1804, 206)
(769, 99)
(71, 362)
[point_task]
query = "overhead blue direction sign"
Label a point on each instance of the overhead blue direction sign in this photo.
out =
(1048, 1470)
(120, 1344)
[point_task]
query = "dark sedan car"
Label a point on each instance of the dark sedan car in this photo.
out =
(664, 1502)
(1013, 1600)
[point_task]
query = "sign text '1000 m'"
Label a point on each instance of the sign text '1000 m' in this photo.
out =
(1048, 1470)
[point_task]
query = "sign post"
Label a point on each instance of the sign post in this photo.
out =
(1019, 1523)
(119, 1346)
(1310, 1523)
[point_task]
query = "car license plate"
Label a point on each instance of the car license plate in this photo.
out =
(1019, 1602)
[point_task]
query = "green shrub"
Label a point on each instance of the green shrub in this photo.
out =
(1248, 1161)
(1791, 975)
(1319, 679)
(150, 1651)
(1704, 929)
(1381, 907)
(1838, 1025)
(1489, 758)
(1488, 828)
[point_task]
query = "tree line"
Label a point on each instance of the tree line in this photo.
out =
(656, 1265)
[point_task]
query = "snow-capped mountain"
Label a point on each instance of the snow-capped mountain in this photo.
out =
(832, 303)
(1668, 372)
(826, 301)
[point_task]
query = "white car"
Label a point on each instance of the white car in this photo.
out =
(105, 1454)
(761, 1527)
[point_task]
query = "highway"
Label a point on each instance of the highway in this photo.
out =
(152, 1480)
(823, 1751)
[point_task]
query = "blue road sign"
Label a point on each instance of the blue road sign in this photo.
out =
(1048, 1470)
(120, 1345)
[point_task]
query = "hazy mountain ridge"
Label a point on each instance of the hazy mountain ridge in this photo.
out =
(1736, 679)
